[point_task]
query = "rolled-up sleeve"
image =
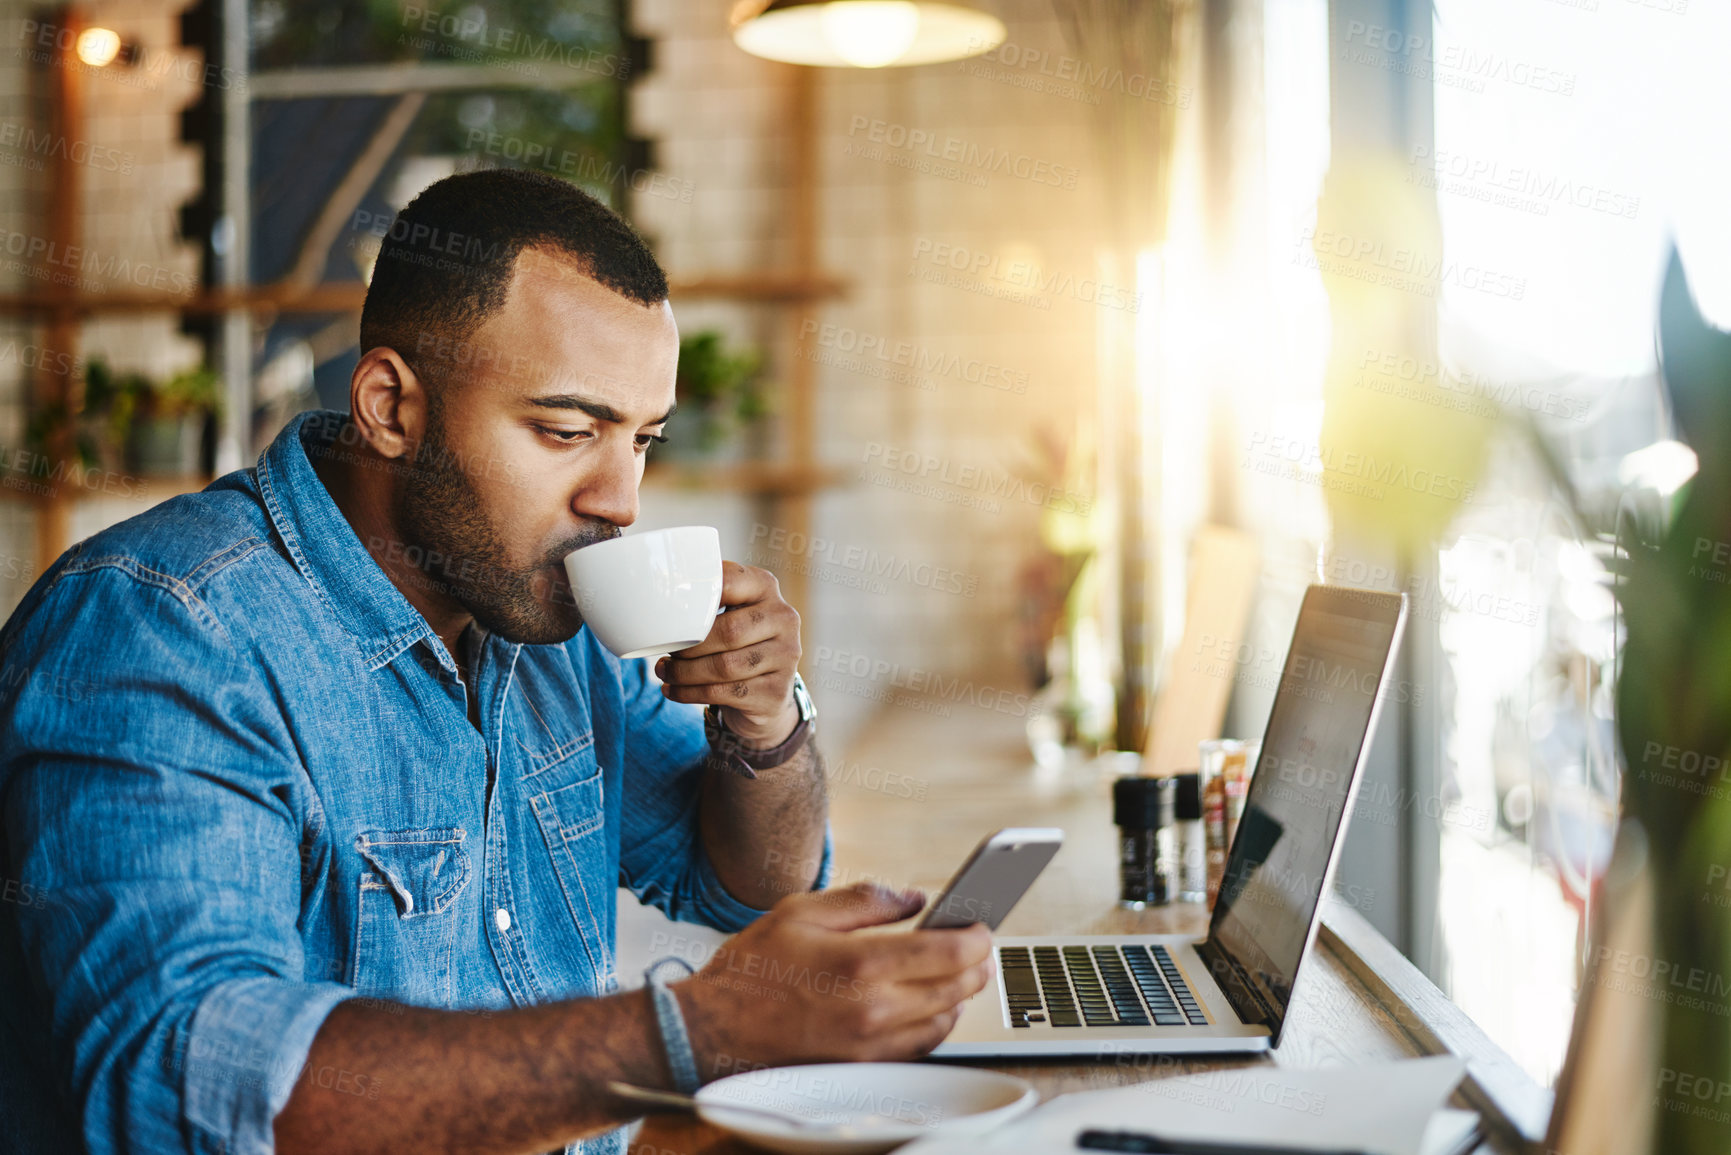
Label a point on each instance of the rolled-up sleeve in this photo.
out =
(161, 817)
(661, 855)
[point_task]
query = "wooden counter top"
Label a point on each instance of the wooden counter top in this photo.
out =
(915, 793)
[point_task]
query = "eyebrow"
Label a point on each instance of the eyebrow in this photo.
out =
(599, 410)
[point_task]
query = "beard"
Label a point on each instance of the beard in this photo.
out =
(442, 513)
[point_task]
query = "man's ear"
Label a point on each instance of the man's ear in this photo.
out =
(388, 402)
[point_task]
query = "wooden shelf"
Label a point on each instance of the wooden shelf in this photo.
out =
(348, 298)
(323, 299)
(765, 478)
(800, 280)
(752, 477)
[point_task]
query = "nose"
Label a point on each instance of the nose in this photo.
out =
(609, 491)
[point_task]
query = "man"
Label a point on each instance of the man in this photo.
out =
(325, 793)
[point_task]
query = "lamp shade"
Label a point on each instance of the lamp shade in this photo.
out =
(864, 33)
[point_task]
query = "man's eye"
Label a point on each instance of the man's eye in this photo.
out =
(565, 436)
(644, 440)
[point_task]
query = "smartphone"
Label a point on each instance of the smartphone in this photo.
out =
(994, 878)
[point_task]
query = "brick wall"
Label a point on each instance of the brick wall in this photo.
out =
(137, 176)
(973, 156)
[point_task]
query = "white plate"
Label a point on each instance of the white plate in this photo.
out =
(917, 1099)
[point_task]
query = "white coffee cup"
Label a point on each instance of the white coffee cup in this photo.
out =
(649, 593)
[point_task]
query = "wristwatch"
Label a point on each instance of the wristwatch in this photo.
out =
(731, 753)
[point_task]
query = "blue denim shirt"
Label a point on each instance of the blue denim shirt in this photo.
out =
(239, 786)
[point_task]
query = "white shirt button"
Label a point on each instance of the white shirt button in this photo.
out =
(502, 919)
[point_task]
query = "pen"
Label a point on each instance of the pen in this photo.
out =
(1146, 1144)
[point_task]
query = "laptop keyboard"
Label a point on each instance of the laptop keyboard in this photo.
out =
(1096, 986)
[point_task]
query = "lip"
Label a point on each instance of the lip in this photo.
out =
(559, 558)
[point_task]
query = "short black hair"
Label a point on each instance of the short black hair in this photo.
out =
(445, 264)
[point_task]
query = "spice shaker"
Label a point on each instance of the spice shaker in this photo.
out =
(1142, 808)
(1190, 846)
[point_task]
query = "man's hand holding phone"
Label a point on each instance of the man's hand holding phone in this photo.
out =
(803, 984)
(800, 986)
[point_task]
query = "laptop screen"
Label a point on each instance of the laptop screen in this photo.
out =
(1310, 755)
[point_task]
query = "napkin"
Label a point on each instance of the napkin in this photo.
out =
(1386, 1109)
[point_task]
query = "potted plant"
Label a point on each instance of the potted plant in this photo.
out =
(1674, 697)
(719, 395)
(129, 421)
(94, 438)
(167, 434)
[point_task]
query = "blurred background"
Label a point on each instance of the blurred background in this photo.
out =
(1045, 374)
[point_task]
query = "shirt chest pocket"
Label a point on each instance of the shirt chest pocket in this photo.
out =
(565, 792)
(408, 913)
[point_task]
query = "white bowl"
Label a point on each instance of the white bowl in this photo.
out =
(649, 593)
(916, 1099)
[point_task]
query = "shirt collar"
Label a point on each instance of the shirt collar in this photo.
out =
(326, 550)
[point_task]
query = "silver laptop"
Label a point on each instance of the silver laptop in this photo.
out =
(1157, 994)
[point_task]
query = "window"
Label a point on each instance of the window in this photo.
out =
(339, 144)
(1568, 154)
